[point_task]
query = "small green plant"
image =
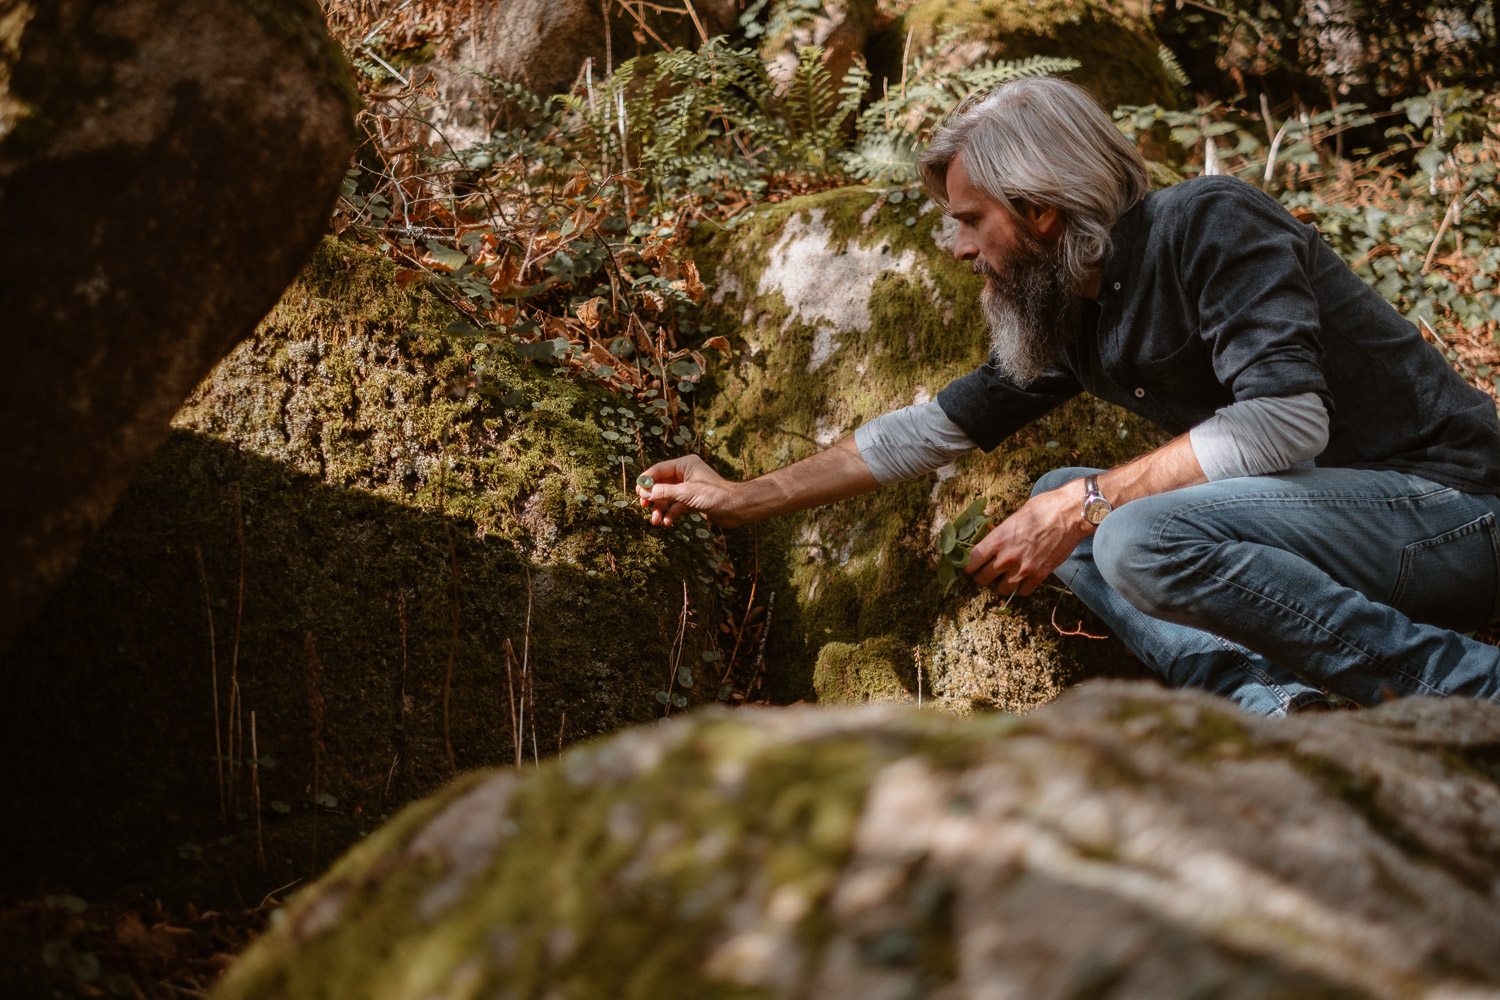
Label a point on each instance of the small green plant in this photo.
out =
(957, 538)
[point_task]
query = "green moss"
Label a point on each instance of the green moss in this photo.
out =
(878, 669)
(863, 570)
(367, 497)
(638, 888)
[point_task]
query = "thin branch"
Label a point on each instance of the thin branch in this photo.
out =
(1077, 631)
(213, 674)
(452, 648)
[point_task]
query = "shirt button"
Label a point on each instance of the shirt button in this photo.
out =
(1117, 286)
(1140, 394)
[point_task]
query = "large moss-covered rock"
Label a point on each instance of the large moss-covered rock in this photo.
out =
(842, 306)
(542, 45)
(164, 171)
(1112, 39)
(1127, 842)
(372, 531)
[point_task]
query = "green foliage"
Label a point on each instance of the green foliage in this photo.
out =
(1371, 49)
(893, 128)
(955, 540)
(1417, 221)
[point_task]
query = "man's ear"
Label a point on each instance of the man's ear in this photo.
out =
(1045, 221)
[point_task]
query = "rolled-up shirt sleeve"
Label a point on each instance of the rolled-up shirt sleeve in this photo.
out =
(1256, 437)
(910, 442)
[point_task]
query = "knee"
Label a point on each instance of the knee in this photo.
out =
(1131, 560)
(1060, 477)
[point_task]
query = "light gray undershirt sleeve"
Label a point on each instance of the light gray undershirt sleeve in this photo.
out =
(1256, 437)
(910, 442)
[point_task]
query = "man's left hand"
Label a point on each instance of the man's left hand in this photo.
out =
(1026, 547)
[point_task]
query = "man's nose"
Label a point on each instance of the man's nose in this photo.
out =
(964, 247)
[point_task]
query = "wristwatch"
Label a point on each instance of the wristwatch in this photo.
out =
(1094, 504)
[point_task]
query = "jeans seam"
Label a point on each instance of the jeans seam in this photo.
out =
(1254, 671)
(1266, 600)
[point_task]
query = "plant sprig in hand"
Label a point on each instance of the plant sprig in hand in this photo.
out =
(955, 540)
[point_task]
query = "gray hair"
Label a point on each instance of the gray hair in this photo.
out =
(1046, 142)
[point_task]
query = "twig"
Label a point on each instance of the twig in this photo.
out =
(267, 897)
(696, 23)
(1061, 631)
(510, 680)
(563, 723)
(674, 658)
(260, 844)
(765, 631)
(625, 6)
(213, 673)
(234, 663)
(385, 65)
(452, 648)
(315, 706)
(526, 688)
(1448, 217)
(918, 657)
(1457, 361)
(401, 708)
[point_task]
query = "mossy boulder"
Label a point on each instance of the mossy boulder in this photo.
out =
(1114, 41)
(542, 45)
(1125, 841)
(841, 306)
(368, 530)
(165, 169)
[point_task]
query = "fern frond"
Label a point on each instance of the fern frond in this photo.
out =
(1175, 73)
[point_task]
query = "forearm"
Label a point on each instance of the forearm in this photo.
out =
(1170, 467)
(829, 476)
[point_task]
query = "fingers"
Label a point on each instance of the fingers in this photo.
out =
(667, 502)
(675, 470)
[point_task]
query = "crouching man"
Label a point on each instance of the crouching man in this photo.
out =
(1325, 519)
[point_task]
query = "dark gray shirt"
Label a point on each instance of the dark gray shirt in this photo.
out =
(1213, 293)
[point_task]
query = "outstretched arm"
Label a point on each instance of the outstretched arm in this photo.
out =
(688, 483)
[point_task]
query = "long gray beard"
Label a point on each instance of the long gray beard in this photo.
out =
(1034, 311)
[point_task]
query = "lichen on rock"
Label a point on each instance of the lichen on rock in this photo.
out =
(1125, 840)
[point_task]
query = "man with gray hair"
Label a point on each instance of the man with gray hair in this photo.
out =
(1325, 520)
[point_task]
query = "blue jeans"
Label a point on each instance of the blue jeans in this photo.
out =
(1270, 590)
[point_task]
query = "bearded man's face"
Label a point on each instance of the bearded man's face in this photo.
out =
(1033, 308)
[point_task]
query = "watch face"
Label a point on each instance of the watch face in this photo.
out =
(1094, 510)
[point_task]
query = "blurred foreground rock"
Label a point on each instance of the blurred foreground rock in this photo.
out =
(1124, 842)
(164, 171)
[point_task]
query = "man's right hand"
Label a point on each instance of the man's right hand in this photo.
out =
(688, 484)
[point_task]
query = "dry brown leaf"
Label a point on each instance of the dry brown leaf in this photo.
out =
(718, 344)
(576, 185)
(694, 285)
(504, 275)
(655, 252)
(653, 301)
(406, 276)
(588, 312)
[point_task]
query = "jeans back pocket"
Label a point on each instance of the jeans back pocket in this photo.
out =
(1451, 580)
